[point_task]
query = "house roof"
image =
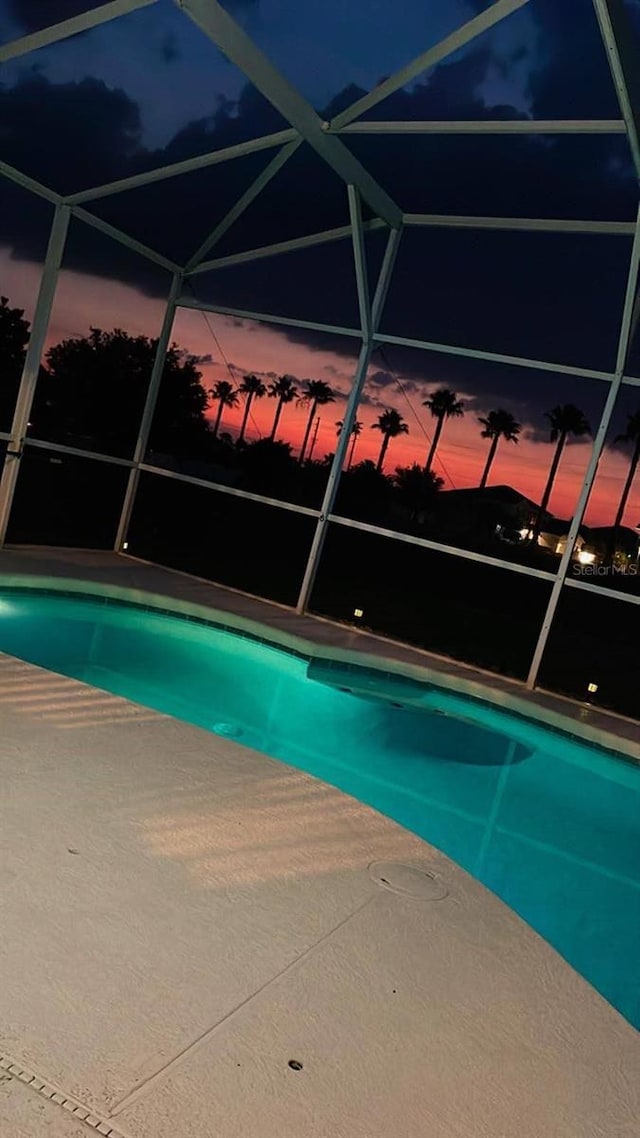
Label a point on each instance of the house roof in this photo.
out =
(499, 495)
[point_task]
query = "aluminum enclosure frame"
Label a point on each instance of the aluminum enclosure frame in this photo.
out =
(305, 126)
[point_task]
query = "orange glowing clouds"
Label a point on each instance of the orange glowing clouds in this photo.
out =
(229, 348)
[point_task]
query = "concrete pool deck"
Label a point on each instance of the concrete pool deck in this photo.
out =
(181, 917)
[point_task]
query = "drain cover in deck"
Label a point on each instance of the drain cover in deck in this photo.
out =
(408, 880)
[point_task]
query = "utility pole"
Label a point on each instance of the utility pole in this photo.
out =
(313, 441)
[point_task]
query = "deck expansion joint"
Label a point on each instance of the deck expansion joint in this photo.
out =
(47, 1090)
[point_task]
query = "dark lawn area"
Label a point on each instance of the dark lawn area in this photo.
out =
(247, 545)
(460, 608)
(595, 639)
(65, 500)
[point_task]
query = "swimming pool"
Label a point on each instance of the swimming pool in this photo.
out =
(547, 822)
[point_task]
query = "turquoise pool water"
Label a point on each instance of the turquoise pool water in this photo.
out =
(548, 823)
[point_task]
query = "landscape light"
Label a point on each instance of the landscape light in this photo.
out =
(358, 612)
(125, 545)
(592, 688)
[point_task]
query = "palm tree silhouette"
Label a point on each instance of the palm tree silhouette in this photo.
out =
(317, 394)
(497, 425)
(443, 404)
(251, 388)
(356, 431)
(391, 424)
(565, 420)
(285, 391)
(631, 435)
(224, 395)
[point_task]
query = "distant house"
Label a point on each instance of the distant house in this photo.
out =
(554, 534)
(623, 543)
(504, 514)
(485, 512)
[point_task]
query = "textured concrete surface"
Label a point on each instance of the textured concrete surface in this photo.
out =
(190, 594)
(180, 918)
(26, 1114)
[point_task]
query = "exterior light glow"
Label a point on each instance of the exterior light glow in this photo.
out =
(592, 688)
(125, 545)
(586, 558)
(358, 612)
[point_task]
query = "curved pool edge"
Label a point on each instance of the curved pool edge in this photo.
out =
(511, 703)
(439, 1001)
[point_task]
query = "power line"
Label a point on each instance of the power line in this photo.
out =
(385, 360)
(221, 351)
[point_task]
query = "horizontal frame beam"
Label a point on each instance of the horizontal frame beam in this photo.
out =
(265, 317)
(438, 547)
(323, 238)
(78, 452)
(147, 468)
(494, 357)
(485, 126)
(176, 169)
(602, 591)
(524, 224)
(72, 27)
(450, 44)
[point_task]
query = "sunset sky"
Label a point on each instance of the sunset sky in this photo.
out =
(150, 89)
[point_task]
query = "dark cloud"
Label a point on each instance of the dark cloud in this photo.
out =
(542, 296)
(31, 15)
(169, 48)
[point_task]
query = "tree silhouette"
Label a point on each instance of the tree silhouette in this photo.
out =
(356, 431)
(497, 425)
(365, 494)
(94, 387)
(631, 435)
(564, 420)
(251, 388)
(416, 488)
(224, 395)
(285, 391)
(443, 404)
(14, 337)
(391, 424)
(317, 394)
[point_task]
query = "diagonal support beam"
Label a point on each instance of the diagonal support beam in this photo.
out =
(151, 400)
(600, 438)
(212, 158)
(624, 64)
(429, 58)
(322, 238)
(243, 203)
(124, 239)
(67, 28)
(360, 261)
(223, 31)
(28, 183)
(373, 320)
